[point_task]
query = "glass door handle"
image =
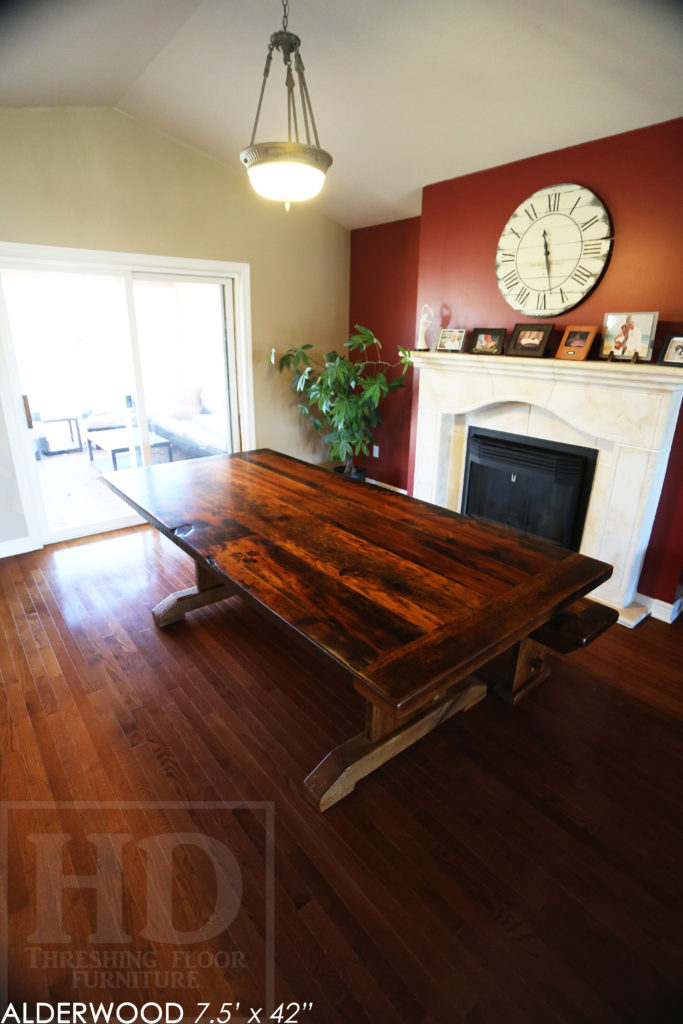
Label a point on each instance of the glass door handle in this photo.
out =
(27, 411)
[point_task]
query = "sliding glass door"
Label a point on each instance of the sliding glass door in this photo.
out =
(73, 356)
(120, 367)
(183, 329)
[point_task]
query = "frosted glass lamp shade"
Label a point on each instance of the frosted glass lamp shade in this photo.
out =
(286, 171)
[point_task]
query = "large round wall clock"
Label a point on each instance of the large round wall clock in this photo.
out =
(553, 250)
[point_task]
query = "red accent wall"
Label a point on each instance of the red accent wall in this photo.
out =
(637, 175)
(383, 293)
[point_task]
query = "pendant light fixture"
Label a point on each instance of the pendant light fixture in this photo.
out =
(287, 171)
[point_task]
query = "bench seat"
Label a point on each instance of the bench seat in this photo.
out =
(576, 626)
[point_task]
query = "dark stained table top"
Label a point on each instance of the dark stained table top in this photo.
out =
(406, 594)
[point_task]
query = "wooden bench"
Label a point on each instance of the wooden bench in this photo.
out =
(576, 626)
(523, 666)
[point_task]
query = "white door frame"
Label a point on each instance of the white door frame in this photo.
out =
(21, 448)
(20, 256)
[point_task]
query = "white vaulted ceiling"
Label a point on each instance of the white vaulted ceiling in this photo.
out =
(404, 93)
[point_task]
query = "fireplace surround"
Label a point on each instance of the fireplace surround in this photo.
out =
(628, 412)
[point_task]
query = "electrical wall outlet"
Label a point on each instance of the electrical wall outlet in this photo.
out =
(375, 451)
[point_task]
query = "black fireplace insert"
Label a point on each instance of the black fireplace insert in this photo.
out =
(541, 487)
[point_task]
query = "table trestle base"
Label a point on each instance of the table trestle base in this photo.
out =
(337, 774)
(209, 589)
(514, 673)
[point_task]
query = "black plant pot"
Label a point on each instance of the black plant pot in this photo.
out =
(358, 475)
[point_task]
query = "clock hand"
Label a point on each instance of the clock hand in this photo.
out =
(546, 253)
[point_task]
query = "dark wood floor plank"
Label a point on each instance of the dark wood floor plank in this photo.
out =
(72, 767)
(520, 864)
(444, 937)
(386, 908)
(614, 907)
(488, 901)
(584, 829)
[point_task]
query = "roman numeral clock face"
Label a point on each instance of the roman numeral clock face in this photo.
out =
(553, 250)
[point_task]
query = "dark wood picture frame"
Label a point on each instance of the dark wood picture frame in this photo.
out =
(492, 346)
(672, 351)
(529, 340)
(576, 341)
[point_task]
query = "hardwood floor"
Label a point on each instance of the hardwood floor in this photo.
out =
(520, 864)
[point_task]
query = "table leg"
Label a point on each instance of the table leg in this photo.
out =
(209, 589)
(384, 737)
(516, 671)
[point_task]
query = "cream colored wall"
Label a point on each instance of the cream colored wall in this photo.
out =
(97, 179)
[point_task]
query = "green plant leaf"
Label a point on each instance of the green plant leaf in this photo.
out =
(362, 339)
(366, 333)
(372, 391)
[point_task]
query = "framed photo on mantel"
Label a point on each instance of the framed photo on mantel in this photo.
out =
(672, 352)
(627, 335)
(451, 339)
(529, 340)
(487, 341)
(576, 342)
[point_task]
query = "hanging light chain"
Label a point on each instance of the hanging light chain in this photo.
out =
(299, 66)
(291, 105)
(266, 71)
(305, 99)
(285, 15)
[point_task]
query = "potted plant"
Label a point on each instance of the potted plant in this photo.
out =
(340, 395)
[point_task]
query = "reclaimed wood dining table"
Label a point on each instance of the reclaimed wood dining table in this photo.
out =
(426, 608)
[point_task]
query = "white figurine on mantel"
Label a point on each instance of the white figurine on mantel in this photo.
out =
(425, 320)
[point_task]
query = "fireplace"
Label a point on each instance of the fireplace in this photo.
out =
(541, 487)
(626, 412)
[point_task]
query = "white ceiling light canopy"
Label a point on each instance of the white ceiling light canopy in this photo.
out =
(291, 171)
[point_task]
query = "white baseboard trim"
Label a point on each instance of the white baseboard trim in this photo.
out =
(660, 609)
(389, 487)
(18, 547)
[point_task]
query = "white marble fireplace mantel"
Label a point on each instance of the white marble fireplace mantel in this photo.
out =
(627, 411)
